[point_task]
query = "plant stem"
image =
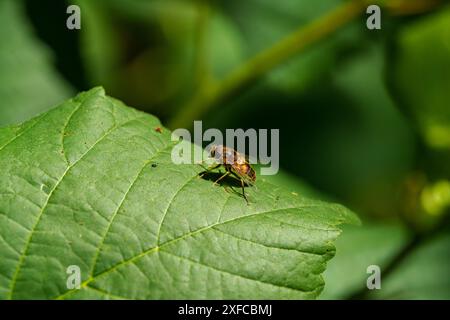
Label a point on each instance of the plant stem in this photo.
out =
(200, 65)
(265, 61)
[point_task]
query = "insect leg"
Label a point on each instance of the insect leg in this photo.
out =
(243, 191)
(242, 185)
(215, 166)
(223, 176)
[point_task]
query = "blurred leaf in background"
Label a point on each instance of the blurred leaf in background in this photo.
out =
(156, 53)
(421, 74)
(358, 248)
(424, 274)
(29, 84)
(263, 23)
(99, 44)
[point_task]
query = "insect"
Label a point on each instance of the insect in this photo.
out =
(235, 164)
(158, 129)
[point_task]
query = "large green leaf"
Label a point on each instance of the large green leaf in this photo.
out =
(28, 82)
(91, 183)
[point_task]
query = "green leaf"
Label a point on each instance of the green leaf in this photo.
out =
(423, 274)
(91, 183)
(28, 83)
(100, 46)
(358, 248)
(295, 185)
(421, 75)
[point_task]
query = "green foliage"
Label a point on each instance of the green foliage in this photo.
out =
(91, 183)
(421, 275)
(99, 44)
(421, 74)
(302, 71)
(360, 247)
(28, 83)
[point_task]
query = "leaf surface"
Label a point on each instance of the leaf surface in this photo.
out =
(91, 184)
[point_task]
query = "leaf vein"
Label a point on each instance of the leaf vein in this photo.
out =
(268, 246)
(169, 206)
(186, 235)
(38, 219)
(106, 293)
(23, 132)
(238, 275)
(146, 163)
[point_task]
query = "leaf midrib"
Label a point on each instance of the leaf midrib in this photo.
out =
(182, 237)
